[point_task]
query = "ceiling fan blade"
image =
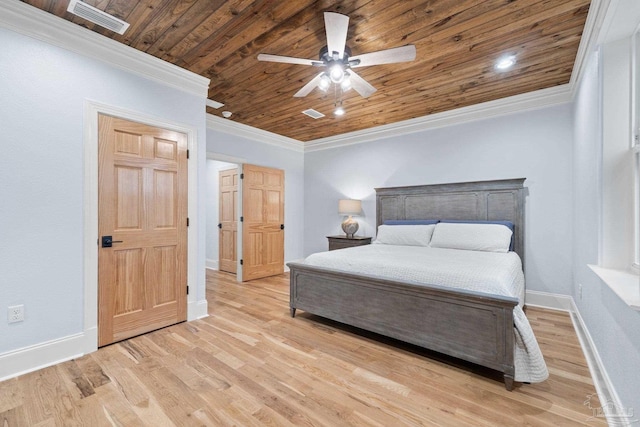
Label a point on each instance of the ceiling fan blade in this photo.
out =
(336, 25)
(389, 56)
(306, 89)
(360, 85)
(285, 59)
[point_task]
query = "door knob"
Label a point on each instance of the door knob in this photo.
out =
(107, 241)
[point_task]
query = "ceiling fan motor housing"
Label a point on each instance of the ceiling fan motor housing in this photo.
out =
(336, 67)
(326, 57)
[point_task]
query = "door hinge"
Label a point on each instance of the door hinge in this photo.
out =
(187, 222)
(241, 219)
(241, 176)
(187, 290)
(187, 154)
(241, 262)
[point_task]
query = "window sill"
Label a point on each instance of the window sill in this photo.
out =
(625, 284)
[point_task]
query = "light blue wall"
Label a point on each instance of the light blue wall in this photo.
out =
(43, 90)
(613, 326)
(262, 154)
(535, 145)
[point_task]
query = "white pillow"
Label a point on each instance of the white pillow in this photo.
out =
(408, 235)
(473, 237)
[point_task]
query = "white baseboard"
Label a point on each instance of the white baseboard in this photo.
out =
(610, 403)
(29, 359)
(212, 264)
(32, 358)
(548, 300)
(198, 310)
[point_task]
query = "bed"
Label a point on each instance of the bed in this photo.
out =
(476, 326)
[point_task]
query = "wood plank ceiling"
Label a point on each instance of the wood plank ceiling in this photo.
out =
(457, 43)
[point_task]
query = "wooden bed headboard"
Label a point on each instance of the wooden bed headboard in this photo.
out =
(481, 200)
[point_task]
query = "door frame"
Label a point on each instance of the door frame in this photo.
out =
(239, 162)
(195, 309)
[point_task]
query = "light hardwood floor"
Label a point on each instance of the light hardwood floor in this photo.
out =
(249, 363)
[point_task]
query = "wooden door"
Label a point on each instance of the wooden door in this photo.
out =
(263, 224)
(228, 220)
(142, 203)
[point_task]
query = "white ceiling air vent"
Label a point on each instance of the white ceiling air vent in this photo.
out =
(97, 16)
(313, 113)
(214, 104)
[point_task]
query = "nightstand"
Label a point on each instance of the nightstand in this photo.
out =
(341, 242)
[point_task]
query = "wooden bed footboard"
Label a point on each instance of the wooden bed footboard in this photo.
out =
(464, 324)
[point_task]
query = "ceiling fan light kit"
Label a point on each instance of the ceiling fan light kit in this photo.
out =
(338, 64)
(336, 73)
(324, 82)
(345, 85)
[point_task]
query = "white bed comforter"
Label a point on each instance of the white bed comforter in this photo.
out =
(486, 272)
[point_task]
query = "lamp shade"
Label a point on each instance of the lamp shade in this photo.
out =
(349, 207)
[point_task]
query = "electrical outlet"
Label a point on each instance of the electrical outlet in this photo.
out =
(580, 291)
(16, 313)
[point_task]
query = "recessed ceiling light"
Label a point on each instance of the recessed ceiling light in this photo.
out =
(505, 62)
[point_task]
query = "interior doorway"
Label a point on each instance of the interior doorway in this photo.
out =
(257, 204)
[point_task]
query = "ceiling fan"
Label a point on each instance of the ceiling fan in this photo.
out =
(337, 62)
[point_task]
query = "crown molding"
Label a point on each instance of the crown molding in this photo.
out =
(598, 10)
(32, 22)
(513, 104)
(525, 102)
(234, 128)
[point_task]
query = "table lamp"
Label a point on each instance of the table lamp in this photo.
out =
(349, 207)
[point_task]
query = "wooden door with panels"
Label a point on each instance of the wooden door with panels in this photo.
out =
(142, 223)
(262, 222)
(228, 220)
